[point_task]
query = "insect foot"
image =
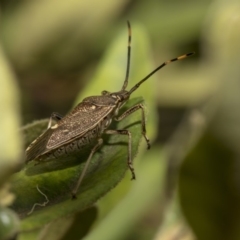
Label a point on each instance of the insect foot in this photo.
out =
(89, 121)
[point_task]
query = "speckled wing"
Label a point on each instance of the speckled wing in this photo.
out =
(38, 146)
(83, 117)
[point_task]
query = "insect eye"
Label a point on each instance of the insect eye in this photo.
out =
(104, 92)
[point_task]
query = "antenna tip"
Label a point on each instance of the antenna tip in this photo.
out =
(128, 23)
(190, 54)
(182, 56)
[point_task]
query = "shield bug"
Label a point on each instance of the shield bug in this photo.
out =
(88, 121)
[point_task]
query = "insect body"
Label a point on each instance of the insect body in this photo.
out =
(87, 122)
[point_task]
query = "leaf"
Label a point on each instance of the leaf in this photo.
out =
(71, 227)
(174, 226)
(107, 168)
(9, 223)
(208, 196)
(209, 178)
(126, 214)
(10, 139)
(65, 28)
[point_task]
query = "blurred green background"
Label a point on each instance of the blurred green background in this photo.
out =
(54, 53)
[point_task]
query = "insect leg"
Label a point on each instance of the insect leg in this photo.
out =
(129, 112)
(129, 162)
(54, 116)
(75, 189)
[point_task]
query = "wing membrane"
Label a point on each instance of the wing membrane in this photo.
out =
(38, 146)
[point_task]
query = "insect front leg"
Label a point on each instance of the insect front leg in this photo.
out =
(54, 116)
(129, 162)
(132, 110)
(95, 148)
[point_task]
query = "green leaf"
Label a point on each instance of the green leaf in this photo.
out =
(106, 169)
(64, 29)
(71, 227)
(174, 224)
(9, 224)
(10, 139)
(208, 196)
(209, 178)
(144, 191)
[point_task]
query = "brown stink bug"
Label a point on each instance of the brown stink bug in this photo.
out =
(88, 121)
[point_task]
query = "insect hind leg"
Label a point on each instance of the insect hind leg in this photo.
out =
(95, 148)
(132, 110)
(129, 161)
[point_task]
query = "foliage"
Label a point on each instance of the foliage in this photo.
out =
(187, 186)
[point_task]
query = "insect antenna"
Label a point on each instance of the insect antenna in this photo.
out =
(128, 56)
(158, 68)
